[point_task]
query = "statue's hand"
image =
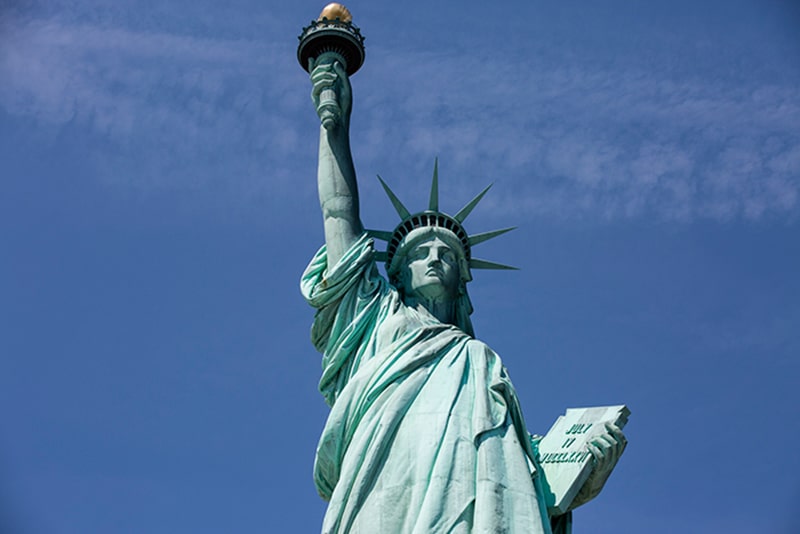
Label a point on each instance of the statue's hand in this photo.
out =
(331, 93)
(606, 450)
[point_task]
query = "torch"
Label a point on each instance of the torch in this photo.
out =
(332, 37)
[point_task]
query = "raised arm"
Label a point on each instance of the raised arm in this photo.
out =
(336, 176)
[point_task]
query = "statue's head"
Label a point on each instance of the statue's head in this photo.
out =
(429, 254)
(430, 263)
(431, 266)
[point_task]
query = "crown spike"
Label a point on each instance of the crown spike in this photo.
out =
(466, 210)
(475, 263)
(486, 236)
(433, 204)
(380, 256)
(398, 206)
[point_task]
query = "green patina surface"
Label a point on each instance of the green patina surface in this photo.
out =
(425, 433)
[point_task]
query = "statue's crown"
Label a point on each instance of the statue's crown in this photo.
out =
(433, 218)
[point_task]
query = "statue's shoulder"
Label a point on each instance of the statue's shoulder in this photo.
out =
(476, 346)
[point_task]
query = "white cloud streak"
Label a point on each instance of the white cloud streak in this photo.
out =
(570, 140)
(162, 110)
(602, 143)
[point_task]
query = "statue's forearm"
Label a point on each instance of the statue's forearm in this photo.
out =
(338, 192)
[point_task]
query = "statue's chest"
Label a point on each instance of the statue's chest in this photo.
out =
(401, 324)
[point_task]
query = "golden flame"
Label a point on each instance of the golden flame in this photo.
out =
(335, 11)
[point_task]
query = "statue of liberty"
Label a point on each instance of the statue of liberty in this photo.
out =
(425, 433)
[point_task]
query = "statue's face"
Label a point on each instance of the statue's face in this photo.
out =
(431, 271)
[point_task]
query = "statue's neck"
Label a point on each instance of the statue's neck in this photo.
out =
(443, 310)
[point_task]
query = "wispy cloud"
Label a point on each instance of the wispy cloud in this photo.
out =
(165, 110)
(591, 141)
(567, 137)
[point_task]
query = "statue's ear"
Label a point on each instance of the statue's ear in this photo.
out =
(466, 273)
(400, 278)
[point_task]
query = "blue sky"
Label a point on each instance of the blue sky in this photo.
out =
(158, 205)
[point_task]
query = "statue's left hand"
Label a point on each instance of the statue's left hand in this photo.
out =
(606, 450)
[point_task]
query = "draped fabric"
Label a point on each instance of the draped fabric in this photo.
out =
(425, 433)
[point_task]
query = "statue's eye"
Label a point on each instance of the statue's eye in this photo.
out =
(449, 257)
(418, 254)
